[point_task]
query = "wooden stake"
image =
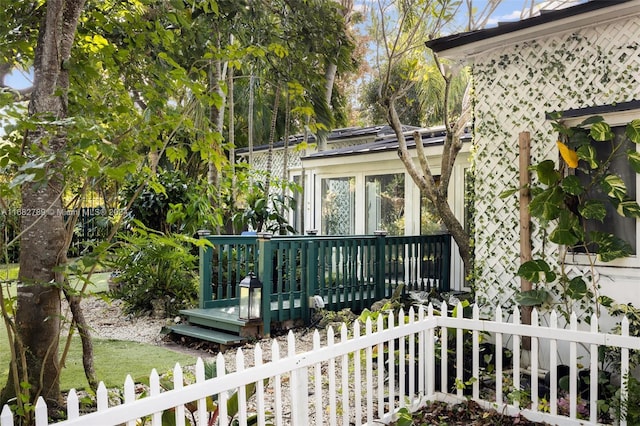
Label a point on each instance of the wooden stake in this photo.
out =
(524, 141)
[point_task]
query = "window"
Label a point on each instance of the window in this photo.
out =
(298, 214)
(384, 203)
(613, 223)
(338, 206)
(623, 180)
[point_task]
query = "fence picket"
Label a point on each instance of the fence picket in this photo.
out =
(331, 372)
(178, 383)
(553, 366)
(260, 404)
(345, 377)
(534, 362)
(593, 379)
(102, 397)
(73, 407)
(42, 416)
(516, 358)
(444, 351)
(317, 379)
(277, 384)
(221, 371)
(421, 349)
(242, 391)
(475, 367)
(391, 364)
(6, 417)
(369, 373)
(380, 369)
(357, 376)
(430, 364)
(412, 358)
(624, 372)
(459, 352)
(129, 395)
(401, 362)
(573, 370)
(498, 340)
(299, 387)
(154, 389)
(202, 402)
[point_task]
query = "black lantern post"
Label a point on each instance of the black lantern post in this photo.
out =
(250, 297)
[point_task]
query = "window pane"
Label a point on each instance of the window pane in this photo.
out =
(338, 206)
(430, 221)
(613, 223)
(298, 214)
(384, 203)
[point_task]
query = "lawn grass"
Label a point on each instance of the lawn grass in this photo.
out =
(114, 359)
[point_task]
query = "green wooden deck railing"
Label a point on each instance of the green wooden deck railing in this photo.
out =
(345, 271)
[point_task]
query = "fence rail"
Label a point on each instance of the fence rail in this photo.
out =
(365, 376)
(345, 271)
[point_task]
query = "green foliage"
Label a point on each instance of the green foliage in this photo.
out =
(628, 408)
(568, 199)
(265, 212)
(153, 204)
(153, 266)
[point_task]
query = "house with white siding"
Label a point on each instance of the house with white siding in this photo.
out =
(577, 62)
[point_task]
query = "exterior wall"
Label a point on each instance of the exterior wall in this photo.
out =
(515, 88)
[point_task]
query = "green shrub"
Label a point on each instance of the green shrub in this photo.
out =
(151, 267)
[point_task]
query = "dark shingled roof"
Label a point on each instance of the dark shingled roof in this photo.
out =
(384, 144)
(461, 39)
(336, 135)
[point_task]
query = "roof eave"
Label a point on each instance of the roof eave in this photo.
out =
(466, 46)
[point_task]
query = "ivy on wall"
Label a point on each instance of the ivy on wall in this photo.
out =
(515, 89)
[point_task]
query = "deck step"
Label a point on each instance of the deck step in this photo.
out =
(207, 334)
(218, 318)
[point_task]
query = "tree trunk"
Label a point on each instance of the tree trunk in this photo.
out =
(42, 242)
(85, 337)
(437, 193)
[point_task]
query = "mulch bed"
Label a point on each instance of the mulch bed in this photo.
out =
(468, 413)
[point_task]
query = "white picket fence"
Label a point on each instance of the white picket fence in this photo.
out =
(342, 382)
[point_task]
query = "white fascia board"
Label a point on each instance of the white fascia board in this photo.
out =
(468, 52)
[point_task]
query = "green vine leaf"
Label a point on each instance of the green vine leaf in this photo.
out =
(634, 160)
(628, 208)
(591, 120)
(614, 186)
(547, 173)
(601, 132)
(572, 185)
(532, 297)
(577, 288)
(633, 131)
(593, 209)
(588, 154)
(508, 193)
(546, 204)
(610, 247)
(536, 271)
(568, 231)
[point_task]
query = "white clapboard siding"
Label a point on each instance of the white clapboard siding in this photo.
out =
(351, 379)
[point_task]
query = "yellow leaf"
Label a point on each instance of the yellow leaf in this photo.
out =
(568, 155)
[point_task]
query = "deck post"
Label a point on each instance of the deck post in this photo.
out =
(265, 274)
(205, 291)
(445, 273)
(311, 280)
(380, 263)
